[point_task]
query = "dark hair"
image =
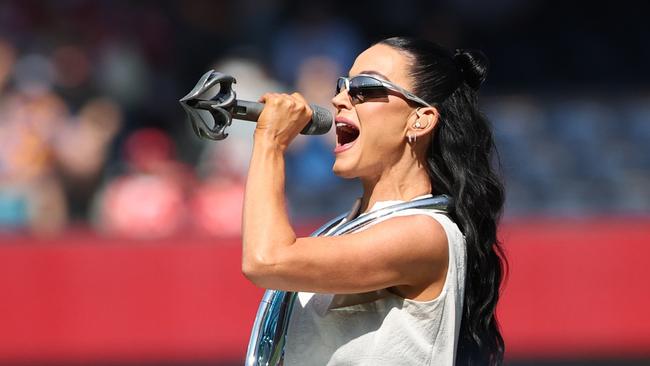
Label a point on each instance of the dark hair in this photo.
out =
(459, 165)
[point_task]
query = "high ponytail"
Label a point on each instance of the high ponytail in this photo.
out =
(459, 165)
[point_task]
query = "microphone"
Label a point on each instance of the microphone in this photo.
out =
(320, 123)
(213, 93)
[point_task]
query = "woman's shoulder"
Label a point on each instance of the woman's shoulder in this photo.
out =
(425, 216)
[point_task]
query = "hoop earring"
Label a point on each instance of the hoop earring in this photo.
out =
(412, 138)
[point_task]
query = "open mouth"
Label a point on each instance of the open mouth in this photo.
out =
(346, 133)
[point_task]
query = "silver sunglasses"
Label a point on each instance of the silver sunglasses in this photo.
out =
(363, 86)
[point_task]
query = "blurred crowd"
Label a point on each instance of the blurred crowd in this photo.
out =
(92, 135)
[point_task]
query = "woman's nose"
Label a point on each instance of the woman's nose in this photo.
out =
(342, 100)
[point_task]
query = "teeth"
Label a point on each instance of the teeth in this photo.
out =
(343, 124)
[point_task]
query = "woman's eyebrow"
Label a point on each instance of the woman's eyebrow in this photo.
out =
(371, 72)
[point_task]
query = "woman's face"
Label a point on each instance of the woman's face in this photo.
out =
(381, 121)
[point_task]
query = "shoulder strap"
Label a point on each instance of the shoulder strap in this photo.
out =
(440, 203)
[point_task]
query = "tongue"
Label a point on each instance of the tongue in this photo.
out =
(347, 135)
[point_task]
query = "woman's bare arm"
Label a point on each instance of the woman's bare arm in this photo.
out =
(410, 250)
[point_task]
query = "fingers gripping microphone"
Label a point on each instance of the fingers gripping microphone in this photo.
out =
(212, 105)
(320, 123)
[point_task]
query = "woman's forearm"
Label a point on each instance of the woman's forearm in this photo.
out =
(266, 229)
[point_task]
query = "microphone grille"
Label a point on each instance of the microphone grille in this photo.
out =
(321, 121)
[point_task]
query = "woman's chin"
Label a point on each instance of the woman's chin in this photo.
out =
(343, 170)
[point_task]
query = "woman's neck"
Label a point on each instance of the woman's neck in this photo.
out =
(403, 181)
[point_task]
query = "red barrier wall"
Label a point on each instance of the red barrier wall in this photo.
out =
(576, 289)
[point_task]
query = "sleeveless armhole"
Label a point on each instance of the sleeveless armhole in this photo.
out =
(455, 247)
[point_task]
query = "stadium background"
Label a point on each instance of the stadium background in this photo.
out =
(119, 228)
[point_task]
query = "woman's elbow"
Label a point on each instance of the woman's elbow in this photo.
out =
(256, 268)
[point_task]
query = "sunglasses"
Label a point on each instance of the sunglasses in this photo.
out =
(363, 87)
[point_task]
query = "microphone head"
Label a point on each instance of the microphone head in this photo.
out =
(321, 121)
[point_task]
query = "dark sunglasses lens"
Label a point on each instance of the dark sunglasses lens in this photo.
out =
(366, 88)
(365, 82)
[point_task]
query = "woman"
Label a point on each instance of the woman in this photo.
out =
(413, 289)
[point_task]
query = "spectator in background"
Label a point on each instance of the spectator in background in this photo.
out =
(31, 195)
(216, 205)
(81, 149)
(150, 200)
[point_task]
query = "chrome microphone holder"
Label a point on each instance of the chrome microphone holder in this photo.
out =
(211, 105)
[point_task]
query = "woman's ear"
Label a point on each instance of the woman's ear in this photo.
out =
(425, 120)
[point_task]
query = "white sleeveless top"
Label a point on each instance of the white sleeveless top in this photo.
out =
(381, 328)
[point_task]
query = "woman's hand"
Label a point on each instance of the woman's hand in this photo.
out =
(282, 118)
